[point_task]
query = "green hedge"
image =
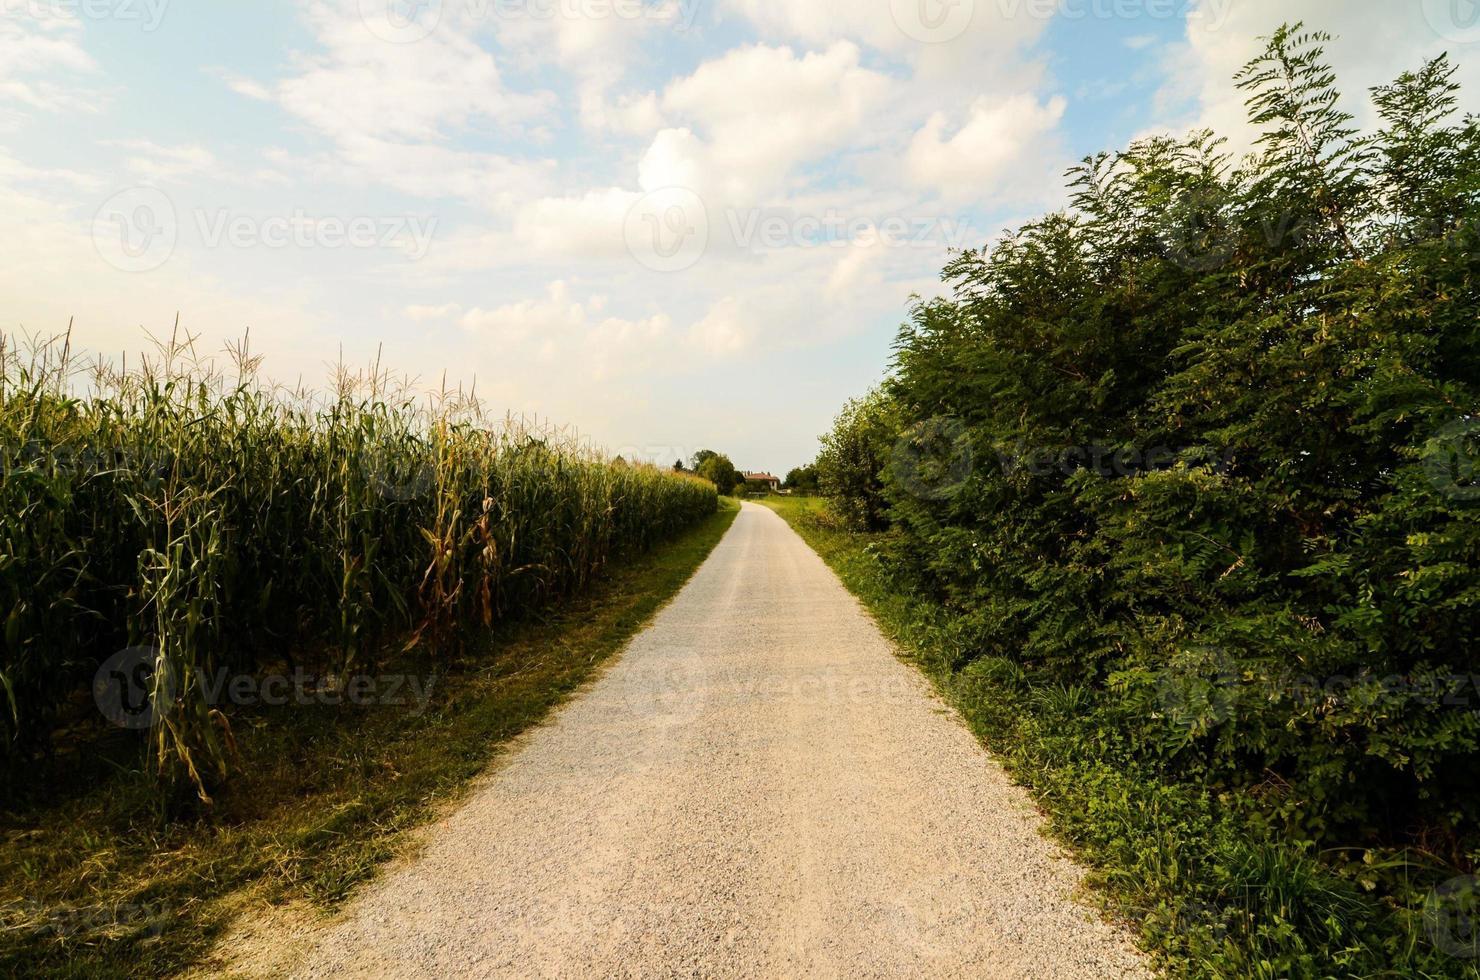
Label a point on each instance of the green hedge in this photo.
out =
(1196, 464)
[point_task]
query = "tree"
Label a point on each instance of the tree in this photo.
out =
(802, 479)
(1293, 341)
(851, 464)
(717, 469)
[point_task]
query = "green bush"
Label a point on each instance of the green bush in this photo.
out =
(1195, 465)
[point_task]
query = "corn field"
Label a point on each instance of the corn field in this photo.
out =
(188, 508)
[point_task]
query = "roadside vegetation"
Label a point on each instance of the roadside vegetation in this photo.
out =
(250, 634)
(220, 524)
(1177, 498)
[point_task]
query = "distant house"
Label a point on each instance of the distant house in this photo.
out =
(762, 482)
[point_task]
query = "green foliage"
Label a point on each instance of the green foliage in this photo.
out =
(853, 458)
(1221, 505)
(717, 469)
(228, 525)
(802, 479)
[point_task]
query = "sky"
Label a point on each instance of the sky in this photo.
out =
(669, 224)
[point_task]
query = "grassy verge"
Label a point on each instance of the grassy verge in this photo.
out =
(95, 882)
(1212, 892)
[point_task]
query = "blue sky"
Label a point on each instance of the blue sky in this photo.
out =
(674, 224)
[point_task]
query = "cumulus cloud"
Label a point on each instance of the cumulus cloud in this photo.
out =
(1375, 41)
(1005, 147)
(152, 162)
(763, 111)
(984, 39)
(392, 109)
(560, 328)
(33, 50)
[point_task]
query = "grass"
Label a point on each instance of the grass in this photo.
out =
(1211, 894)
(96, 883)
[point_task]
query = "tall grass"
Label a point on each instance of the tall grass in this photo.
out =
(191, 509)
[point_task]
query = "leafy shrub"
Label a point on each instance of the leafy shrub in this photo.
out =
(1201, 463)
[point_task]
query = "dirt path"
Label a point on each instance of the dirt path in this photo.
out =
(756, 788)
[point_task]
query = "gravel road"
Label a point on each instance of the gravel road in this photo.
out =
(757, 787)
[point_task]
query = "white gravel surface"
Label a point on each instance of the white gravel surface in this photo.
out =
(757, 787)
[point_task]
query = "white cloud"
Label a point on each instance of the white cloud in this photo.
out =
(393, 109)
(723, 331)
(987, 37)
(242, 85)
(153, 162)
(1375, 41)
(763, 112)
(860, 260)
(45, 42)
(1004, 148)
(589, 226)
(361, 85)
(558, 328)
(421, 314)
(629, 115)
